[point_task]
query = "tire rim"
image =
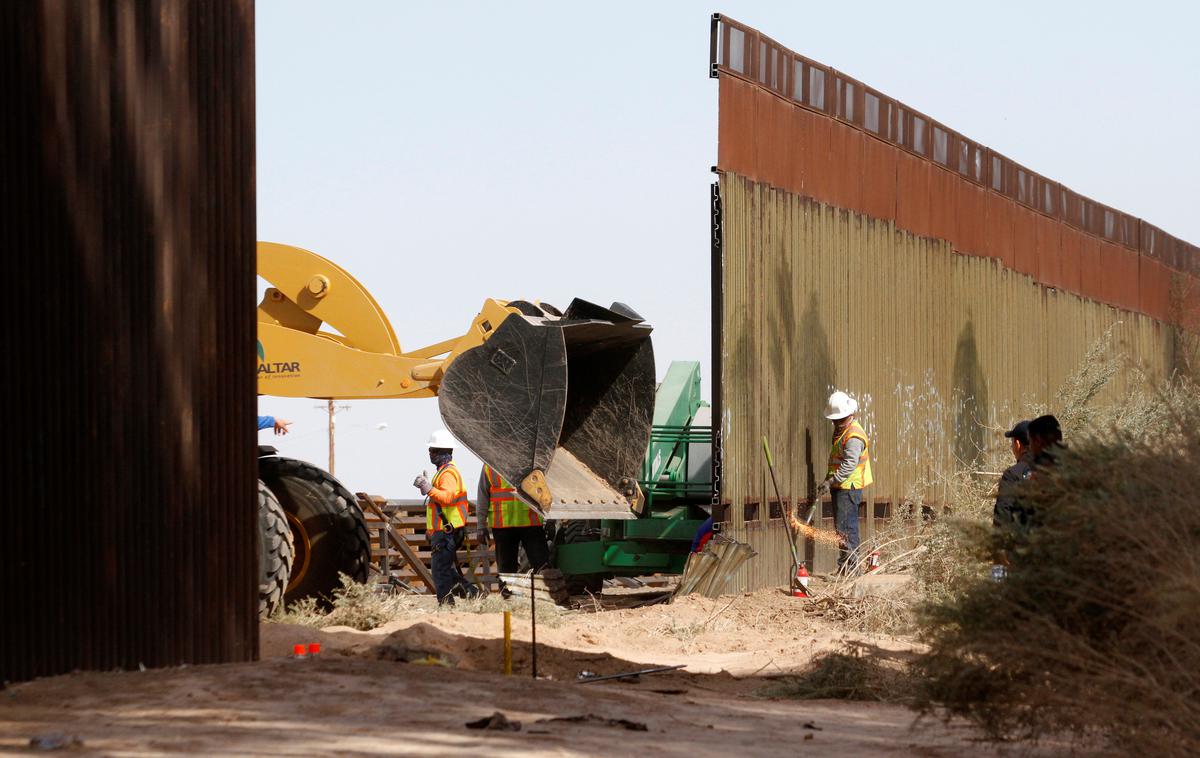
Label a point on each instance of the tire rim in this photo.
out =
(303, 548)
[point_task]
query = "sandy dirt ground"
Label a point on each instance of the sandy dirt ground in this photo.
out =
(361, 697)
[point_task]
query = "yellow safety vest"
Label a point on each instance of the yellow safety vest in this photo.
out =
(504, 505)
(861, 476)
(454, 514)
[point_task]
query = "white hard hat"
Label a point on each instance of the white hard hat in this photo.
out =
(839, 405)
(441, 439)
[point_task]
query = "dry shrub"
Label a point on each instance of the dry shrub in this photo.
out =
(938, 545)
(841, 602)
(946, 542)
(851, 673)
(358, 606)
(364, 607)
(1094, 631)
(940, 550)
(1075, 402)
(854, 605)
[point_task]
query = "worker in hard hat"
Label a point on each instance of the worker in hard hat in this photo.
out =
(848, 474)
(511, 523)
(445, 519)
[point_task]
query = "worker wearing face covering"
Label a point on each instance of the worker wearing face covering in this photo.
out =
(445, 519)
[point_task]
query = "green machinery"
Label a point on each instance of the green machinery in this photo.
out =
(676, 480)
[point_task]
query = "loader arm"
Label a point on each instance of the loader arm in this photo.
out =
(363, 359)
(559, 403)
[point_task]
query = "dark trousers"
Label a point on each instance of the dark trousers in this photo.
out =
(845, 509)
(448, 578)
(509, 540)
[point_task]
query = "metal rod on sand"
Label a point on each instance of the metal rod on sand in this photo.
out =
(533, 623)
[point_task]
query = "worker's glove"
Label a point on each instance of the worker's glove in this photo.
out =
(483, 535)
(422, 483)
(824, 487)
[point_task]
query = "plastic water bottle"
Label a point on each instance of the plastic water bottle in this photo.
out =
(998, 572)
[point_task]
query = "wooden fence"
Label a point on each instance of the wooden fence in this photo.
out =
(405, 519)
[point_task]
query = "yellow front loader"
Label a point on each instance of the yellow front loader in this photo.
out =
(560, 403)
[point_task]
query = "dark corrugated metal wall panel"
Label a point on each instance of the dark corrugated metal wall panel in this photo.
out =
(128, 230)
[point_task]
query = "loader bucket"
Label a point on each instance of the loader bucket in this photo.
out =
(560, 406)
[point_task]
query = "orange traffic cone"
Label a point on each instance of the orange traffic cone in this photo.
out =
(800, 582)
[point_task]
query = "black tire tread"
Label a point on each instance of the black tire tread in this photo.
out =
(276, 552)
(580, 530)
(352, 541)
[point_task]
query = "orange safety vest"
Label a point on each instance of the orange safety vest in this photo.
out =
(505, 507)
(453, 515)
(861, 476)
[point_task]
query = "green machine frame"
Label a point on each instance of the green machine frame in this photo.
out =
(676, 480)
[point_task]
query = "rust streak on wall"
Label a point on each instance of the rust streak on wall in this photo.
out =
(808, 305)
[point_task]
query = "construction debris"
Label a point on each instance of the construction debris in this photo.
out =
(590, 677)
(591, 718)
(710, 571)
(548, 583)
(497, 721)
(55, 741)
(394, 651)
(611, 602)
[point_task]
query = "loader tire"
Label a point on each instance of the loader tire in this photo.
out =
(572, 531)
(328, 528)
(275, 552)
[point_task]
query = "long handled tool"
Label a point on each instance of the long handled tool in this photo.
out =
(627, 674)
(786, 519)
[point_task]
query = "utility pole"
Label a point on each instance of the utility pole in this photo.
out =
(332, 409)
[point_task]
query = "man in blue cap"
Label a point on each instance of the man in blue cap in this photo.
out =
(1043, 441)
(1006, 513)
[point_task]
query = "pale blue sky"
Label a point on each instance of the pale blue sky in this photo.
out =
(449, 152)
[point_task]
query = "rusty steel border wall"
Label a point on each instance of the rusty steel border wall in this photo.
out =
(816, 297)
(938, 293)
(803, 126)
(128, 202)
